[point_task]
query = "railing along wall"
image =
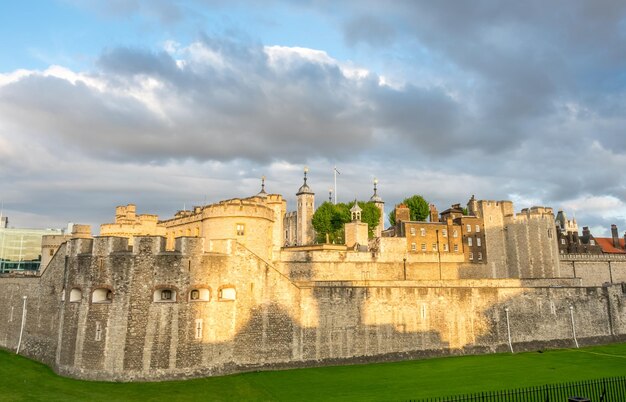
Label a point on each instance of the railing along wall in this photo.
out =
(611, 389)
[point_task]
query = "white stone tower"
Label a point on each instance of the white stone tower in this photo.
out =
(306, 208)
(380, 204)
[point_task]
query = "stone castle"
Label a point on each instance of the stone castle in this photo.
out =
(241, 285)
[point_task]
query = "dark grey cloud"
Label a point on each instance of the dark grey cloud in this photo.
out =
(370, 30)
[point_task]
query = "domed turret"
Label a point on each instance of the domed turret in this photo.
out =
(305, 189)
(375, 197)
(262, 193)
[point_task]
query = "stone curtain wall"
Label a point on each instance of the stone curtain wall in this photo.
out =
(274, 321)
(41, 326)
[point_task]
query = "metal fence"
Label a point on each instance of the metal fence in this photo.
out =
(603, 390)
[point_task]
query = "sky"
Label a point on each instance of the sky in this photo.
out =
(170, 104)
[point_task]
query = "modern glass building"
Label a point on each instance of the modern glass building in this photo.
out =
(20, 249)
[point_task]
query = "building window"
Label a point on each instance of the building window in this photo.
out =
(480, 256)
(471, 256)
(102, 295)
(456, 248)
(164, 295)
(76, 295)
(444, 232)
(563, 241)
(423, 246)
(199, 294)
(478, 241)
(434, 246)
(592, 242)
(413, 247)
(422, 231)
(549, 233)
(227, 293)
(412, 231)
(445, 247)
(241, 229)
(469, 228)
(51, 252)
(199, 328)
(455, 234)
(469, 241)
(477, 228)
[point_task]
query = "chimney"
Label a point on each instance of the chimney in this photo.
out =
(615, 236)
(434, 214)
(403, 213)
(586, 231)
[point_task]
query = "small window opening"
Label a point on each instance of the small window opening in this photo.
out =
(98, 331)
(227, 293)
(164, 295)
(102, 295)
(199, 295)
(199, 328)
(76, 295)
(241, 229)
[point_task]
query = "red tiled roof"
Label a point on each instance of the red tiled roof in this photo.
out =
(606, 244)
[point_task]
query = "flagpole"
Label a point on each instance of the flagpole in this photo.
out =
(335, 174)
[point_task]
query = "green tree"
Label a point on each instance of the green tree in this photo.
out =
(418, 207)
(323, 221)
(329, 219)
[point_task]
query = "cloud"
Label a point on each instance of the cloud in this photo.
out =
(221, 100)
(517, 100)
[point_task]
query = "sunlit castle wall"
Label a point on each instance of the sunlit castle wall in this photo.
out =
(108, 313)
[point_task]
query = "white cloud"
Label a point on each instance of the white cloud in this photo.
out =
(606, 206)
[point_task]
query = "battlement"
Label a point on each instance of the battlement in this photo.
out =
(537, 212)
(102, 246)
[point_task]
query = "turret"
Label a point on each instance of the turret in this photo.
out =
(380, 204)
(306, 208)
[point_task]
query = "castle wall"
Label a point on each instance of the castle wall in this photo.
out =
(41, 324)
(594, 270)
(254, 315)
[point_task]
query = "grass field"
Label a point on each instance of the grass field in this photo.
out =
(25, 380)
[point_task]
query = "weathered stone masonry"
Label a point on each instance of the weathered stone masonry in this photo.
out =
(250, 314)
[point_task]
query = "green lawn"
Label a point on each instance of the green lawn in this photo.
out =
(25, 380)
